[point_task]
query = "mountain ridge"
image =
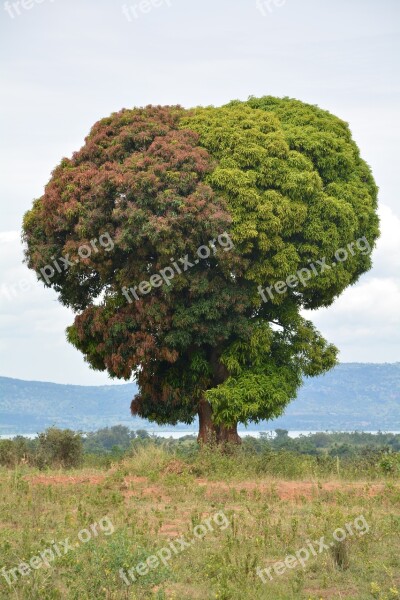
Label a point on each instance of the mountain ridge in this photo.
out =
(351, 396)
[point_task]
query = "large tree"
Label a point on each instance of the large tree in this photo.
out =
(266, 188)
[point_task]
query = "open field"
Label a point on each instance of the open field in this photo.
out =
(87, 524)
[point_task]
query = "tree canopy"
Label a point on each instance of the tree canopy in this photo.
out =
(265, 188)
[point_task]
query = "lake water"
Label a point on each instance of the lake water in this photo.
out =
(176, 434)
(293, 434)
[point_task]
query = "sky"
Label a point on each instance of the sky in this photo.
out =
(67, 63)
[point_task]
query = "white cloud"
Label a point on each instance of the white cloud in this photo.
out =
(387, 254)
(32, 324)
(364, 322)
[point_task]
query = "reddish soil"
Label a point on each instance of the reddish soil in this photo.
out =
(285, 490)
(65, 479)
(292, 490)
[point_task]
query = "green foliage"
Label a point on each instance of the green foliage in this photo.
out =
(114, 440)
(390, 463)
(17, 451)
(59, 447)
(266, 371)
(7, 454)
(296, 187)
(354, 455)
(283, 179)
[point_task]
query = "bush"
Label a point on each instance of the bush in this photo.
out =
(147, 459)
(7, 453)
(114, 440)
(16, 451)
(390, 463)
(59, 448)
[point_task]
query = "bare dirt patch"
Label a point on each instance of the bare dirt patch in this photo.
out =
(65, 479)
(285, 490)
(291, 490)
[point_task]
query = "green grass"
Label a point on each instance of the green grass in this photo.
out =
(274, 503)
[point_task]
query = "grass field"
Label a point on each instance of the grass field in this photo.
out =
(204, 524)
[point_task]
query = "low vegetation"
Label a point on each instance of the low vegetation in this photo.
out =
(143, 493)
(354, 455)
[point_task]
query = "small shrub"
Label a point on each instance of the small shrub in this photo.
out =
(7, 453)
(147, 459)
(340, 555)
(390, 464)
(59, 448)
(16, 451)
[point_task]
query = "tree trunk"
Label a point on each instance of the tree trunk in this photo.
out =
(228, 435)
(209, 432)
(207, 429)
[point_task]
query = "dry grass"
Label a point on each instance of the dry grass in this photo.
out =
(153, 498)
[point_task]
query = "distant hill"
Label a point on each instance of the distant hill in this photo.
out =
(362, 396)
(353, 396)
(30, 406)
